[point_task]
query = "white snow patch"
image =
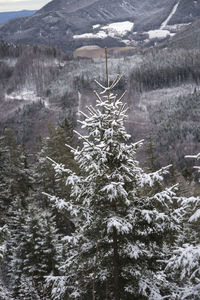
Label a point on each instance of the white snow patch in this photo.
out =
(99, 35)
(11, 62)
(176, 27)
(158, 33)
(79, 104)
(89, 47)
(127, 42)
(25, 95)
(118, 29)
(96, 26)
(195, 216)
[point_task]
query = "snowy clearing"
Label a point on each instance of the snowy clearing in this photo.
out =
(23, 95)
(160, 34)
(99, 35)
(118, 29)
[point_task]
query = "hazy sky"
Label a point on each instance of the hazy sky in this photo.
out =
(13, 5)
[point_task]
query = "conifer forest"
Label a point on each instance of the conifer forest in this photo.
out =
(92, 214)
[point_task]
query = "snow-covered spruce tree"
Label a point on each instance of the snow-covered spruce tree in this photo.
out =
(46, 179)
(4, 293)
(183, 267)
(3, 233)
(34, 253)
(124, 218)
(15, 176)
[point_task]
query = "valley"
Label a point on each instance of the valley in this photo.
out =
(99, 143)
(41, 86)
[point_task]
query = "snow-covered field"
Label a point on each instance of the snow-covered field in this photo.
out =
(159, 33)
(118, 29)
(23, 95)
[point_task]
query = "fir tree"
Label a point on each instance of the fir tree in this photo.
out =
(183, 267)
(4, 293)
(46, 179)
(124, 218)
(34, 252)
(15, 176)
(3, 233)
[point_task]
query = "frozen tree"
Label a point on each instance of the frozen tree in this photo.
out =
(4, 293)
(125, 219)
(34, 252)
(46, 179)
(184, 265)
(3, 233)
(15, 177)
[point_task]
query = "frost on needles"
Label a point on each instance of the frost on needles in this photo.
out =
(126, 220)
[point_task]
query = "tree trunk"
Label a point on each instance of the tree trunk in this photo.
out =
(116, 265)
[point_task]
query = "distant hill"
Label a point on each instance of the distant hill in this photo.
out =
(73, 24)
(6, 16)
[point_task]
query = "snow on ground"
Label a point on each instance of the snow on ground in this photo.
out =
(158, 33)
(52, 62)
(99, 35)
(23, 95)
(11, 62)
(170, 15)
(96, 26)
(89, 47)
(176, 27)
(118, 29)
(164, 29)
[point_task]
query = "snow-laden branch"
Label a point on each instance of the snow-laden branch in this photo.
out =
(109, 88)
(197, 156)
(59, 168)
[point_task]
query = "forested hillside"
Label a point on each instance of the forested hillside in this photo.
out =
(100, 151)
(42, 85)
(85, 220)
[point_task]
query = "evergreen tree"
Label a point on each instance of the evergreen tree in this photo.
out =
(15, 256)
(125, 221)
(4, 293)
(34, 252)
(15, 182)
(54, 146)
(46, 179)
(3, 233)
(15, 176)
(183, 267)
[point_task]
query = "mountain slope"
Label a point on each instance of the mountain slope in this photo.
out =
(71, 24)
(188, 37)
